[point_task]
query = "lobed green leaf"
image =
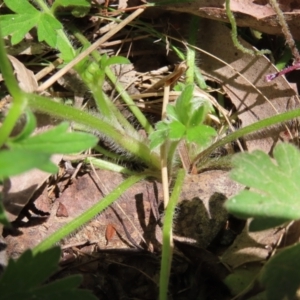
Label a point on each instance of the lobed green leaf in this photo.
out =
(274, 197)
(18, 25)
(201, 134)
(47, 29)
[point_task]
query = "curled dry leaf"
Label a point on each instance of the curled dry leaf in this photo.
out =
(258, 15)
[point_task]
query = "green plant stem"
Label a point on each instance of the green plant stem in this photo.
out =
(167, 247)
(88, 215)
(120, 89)
(191, 52)
(286, 31)
(258, 126)
(131, 104)
(171, 152)
(19, 98)
(137, 148)
(106, 165)
(235, 40)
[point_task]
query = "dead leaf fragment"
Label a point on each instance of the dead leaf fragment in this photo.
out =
(109, 232)
(18, 190)
(26, 79)
(242, 77)
(251, 246)
(62, 211)
(248, 13)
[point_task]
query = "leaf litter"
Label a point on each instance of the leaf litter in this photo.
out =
(78, 196)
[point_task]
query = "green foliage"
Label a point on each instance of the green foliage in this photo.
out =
(241, 277)
(79, 8)
(184, 121)
(25, 279)
(56, 140)
(272, 202)
(26, 159)
(49, 29)
(274, 197)
(34, 151)
(25, 18)
(281, 275)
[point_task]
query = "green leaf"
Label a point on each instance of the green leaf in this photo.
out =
(172, 113)
(22, 279)
(80, 12)
(117, 60)
(176, 130)
(240, 278)
(3, 217)
(183, 104)
(27, 17)
(66, 3)
(199, 110)
(47, 29)
(29, 271)
(63, 289)
(18, 25)
(17, 161)
(57, 140)
(20, 7)
(275, 197)
(201, 134)
(79, 7)
(159, 135)
(281, 275)
(67, 52)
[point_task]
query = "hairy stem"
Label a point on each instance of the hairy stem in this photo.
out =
(137, 148)
(235, 40)
(167, 247)
(286, 31)
(19, 98)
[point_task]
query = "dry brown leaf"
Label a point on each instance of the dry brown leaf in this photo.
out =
(26, 79)
(251, 246)
(248, 13)
(243, 78)
(62, 211)
(18, 190)
(206, 193)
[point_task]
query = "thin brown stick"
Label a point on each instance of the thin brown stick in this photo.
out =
(89, 50)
